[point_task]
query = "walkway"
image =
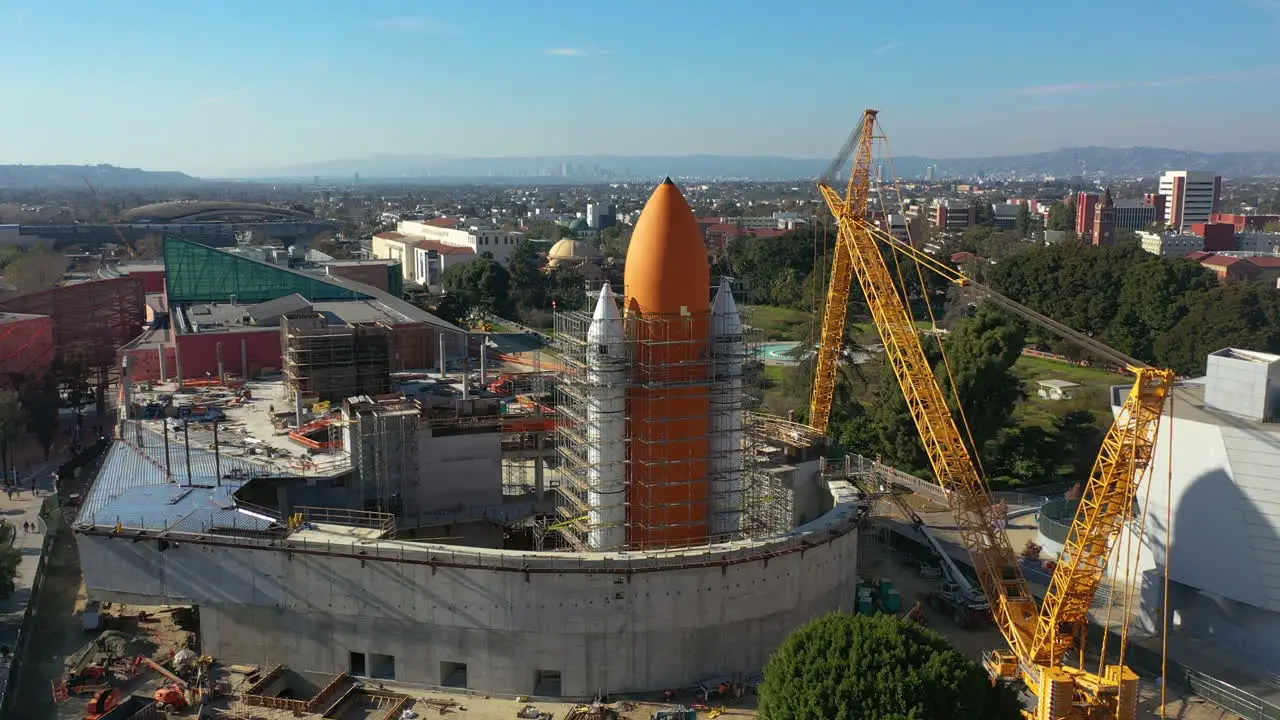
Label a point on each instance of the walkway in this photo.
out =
(24, 507)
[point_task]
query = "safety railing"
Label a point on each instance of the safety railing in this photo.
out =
(1225, 695)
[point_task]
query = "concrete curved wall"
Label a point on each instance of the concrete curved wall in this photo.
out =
(613, 622)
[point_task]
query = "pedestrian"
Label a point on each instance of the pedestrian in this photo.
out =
(26, 527)
(10, 491)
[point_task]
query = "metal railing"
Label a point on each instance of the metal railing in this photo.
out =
(382, 521)
(1224, 695)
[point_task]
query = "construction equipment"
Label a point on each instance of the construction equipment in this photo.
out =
(102, 703)
(171, 697)
(957, 598)
(1039, 635)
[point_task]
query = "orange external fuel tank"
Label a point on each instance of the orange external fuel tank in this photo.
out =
(668, 283)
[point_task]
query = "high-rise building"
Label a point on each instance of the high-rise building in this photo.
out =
(1086, 204)
(1190, 197)
(929, 173)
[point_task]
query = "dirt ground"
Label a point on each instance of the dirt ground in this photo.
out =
(877, 560)
(467, 707)
(57, 633)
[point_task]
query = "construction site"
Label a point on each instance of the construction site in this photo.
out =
(619, 525)
(358, 539)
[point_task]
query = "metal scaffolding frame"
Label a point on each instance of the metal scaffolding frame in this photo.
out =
(334, 362)
(382, 439)
(669, 369)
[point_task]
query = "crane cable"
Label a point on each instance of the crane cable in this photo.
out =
(1168, 545)
(933, 321)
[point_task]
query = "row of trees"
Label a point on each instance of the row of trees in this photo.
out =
(33, 404)
(870, 416)
(519, 289)
(31, 270)
(1165, 311)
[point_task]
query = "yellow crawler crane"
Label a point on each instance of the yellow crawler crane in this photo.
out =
(1039, 635)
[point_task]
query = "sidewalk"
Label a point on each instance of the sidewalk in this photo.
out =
(22, 508)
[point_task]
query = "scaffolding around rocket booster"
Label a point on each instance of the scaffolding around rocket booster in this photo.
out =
(595, 435)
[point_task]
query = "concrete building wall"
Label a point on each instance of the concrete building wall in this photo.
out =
(457, 470)
(1224, 538)
(586, 617)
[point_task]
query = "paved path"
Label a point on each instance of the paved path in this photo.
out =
(23, 507)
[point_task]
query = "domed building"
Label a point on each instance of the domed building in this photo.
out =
(570, 253)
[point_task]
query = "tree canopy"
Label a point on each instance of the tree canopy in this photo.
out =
(1166, 311)
(854, 667)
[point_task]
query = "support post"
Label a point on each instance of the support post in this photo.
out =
(222, 376)
(466, 365)
(484, 361)
(217, 457)
(443, 366)
(244, 359)
(186, 443)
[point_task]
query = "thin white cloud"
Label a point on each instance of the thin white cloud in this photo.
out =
(223, 98)
(1088, 87)
(567, 52)
(415, 24)
(888, 48)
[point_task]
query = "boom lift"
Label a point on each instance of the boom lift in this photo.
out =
(1039, 635)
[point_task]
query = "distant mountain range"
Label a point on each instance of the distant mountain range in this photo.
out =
(99, 176)
(1064, 163)
(1067, 162)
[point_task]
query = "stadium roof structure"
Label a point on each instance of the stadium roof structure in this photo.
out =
(194, 210)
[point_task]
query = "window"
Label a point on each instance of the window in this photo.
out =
(356, 664)
(453, 674)
(382, 667)
(547, 683)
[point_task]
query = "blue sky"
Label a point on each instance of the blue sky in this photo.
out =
(228, 86)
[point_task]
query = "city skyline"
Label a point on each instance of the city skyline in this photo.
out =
(240, 88)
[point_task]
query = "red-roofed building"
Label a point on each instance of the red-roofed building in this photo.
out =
(1230, 269)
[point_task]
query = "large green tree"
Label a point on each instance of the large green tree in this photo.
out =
(1062, 216)
(480, 285)
(980, 354)
(41, 400)
(528, 282)
(854, 667)
(12, 418)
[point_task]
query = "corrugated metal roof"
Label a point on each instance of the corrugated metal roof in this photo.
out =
(134, 489)
(273, 309)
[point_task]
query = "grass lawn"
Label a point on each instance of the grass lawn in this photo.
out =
(1092, 394)
(774, 372)
(780, 323)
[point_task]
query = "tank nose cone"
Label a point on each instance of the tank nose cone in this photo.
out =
(667, 271)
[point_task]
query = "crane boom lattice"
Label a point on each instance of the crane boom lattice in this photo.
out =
(1039, 636)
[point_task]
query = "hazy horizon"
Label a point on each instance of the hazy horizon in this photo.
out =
(230, 89)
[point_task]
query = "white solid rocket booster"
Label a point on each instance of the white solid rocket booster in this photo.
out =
(725, 424)
(606, 393)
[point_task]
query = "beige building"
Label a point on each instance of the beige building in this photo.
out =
(459, 233)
